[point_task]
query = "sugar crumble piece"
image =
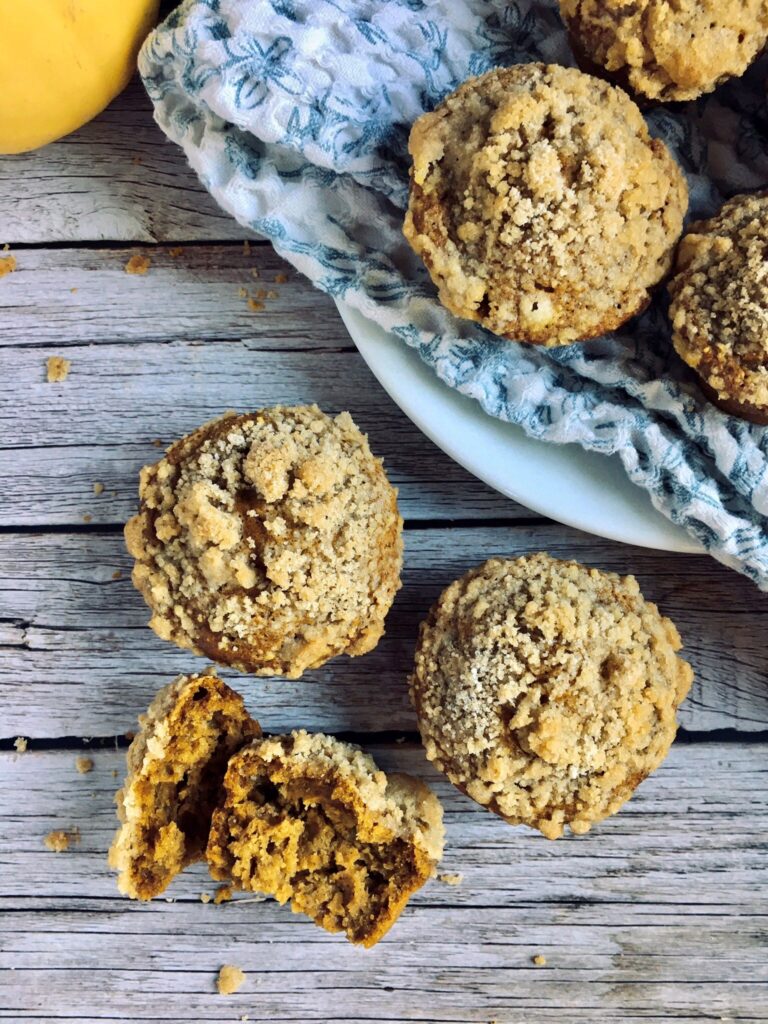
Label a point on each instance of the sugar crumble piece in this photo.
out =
(205, 897)
(87, 517)
(247, 247)
(223, 894)
(281, 278)
(117, 575)
(540, 960)
(57, 369)
(139, 263)
(451, 878)
(230, 979)
(98, 487)
(60, 840)
(255, 273)
(176, 251)
(242, 293)
(20, 743)
(7, 265)
(73, 291)
(254, 306)
(272, 294)
(84, 765)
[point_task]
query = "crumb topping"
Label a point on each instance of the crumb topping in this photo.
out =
(546, 690)
(138, 264)
(270, 542)
(230, 979)
(84, 765)
(540, 204)
(176, 764)
(311, 820)
(7, 265)
(57, 369)
(670, 49)
(20, 744)
(719, 308)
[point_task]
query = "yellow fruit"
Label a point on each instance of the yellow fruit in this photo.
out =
(62, 61)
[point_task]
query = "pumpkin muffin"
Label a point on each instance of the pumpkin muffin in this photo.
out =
(668, 50)
(547, 691)
(311, 820)
(719, 307)
(176, 764)
(540, 204)
(270, 541)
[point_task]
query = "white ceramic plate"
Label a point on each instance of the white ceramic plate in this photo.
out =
(563, 482)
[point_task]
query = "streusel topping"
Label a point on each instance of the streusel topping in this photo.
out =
(670, 49)
(719, 307)
(540, 204)
(269, 541)
(546, 690)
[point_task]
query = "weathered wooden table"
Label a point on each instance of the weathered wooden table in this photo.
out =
(658, 914)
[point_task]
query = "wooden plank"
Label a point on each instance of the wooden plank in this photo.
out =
(61, 297)
(658, 914)
(78, 660)
(102, 422)
(117, 178)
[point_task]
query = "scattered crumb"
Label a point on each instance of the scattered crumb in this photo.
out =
(98, 487)
(255, 306)
(539, 960)
(21, 743)
(59, 841)
(244, 1017)
(242, 293)
(138, 264)
(157, 443)
(114, 773)
(117, 575)
(129, 735)
(87, 517)
(229, 980)
(170, 899)
(281, 278)
(176, 251)
(260, 293)
(84, 765)
(272, 294)
(6, 247)
(255, 273)
(205, 897)
(246, 247)
(450, 878)
(223, 894)
(400, 739)
(7, 265)
(73, 291)
(57, 369)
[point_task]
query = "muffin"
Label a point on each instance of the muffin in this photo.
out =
(311, 820)
(176, 765)
(668, 49)
(540, 204)
(270, 542)
(547, 691)
(719, 307)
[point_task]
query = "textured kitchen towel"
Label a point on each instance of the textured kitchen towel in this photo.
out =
(295, 114)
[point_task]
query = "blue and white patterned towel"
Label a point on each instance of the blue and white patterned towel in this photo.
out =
(295, 114)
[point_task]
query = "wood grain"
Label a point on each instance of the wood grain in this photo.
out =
(77, 658)
(658, 914)
(102, 423)
(117, 178)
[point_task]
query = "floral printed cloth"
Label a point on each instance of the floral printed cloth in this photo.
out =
(296, 113)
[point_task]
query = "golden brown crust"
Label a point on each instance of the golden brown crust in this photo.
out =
(669, 50)
(540, 204)
(271, 541)
(719, 307)
(311, 820)
(176, 764)
(547, 691)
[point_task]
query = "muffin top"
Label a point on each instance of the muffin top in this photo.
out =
(269, 541)
(719, 306)
(312, 820)
(669, 49)
(546, 690)
(540, 204)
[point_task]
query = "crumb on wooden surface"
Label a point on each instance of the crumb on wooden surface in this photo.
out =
(20, 743)
(540, 960)
(272, 294)
(400, 739)
(130, 735)
(223, 894)
(60, 840)
(157, 443)
(205, 897)
(255, 273)
(87, 517)
(255, 306)
(242, 293)
(57, 369)
(73, 291)
(7, 265)
(114, 773)
(246, 246)
(136, 160)
(281, 278)
(117, 575)
(98, 487)
(176, 251)
(139, 263)
(229, 980)
(84, 765)
(451, 878)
